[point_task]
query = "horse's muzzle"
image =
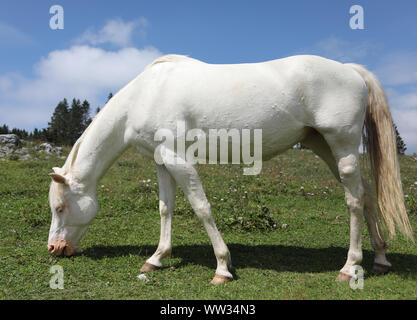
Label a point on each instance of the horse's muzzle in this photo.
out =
(60, 247)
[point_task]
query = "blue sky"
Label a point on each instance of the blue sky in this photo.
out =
(104, 44)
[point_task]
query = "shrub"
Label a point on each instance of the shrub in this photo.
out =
(411, 204)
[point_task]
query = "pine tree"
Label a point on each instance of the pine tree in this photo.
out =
(4, 129)
(400, 142)
(76, 115)
(86, 114)
(36, 134)
(21, 133)
(59, 124)
(45, 135)
(68, 123)
(79, 119)
(109, 97)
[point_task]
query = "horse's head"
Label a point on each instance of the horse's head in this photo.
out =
(73, 208)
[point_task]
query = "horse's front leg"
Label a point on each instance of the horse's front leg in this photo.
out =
(166, 208)
(188, 179)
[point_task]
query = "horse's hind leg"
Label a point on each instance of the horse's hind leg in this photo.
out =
(348, 164)
(315, 141)
(381, 264)
(344, 163)
(166, 208)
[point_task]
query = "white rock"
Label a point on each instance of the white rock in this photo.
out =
(22, 151)
(143, 277)
(9, 140)
(48, 149)
(5, 151)
(25, 157)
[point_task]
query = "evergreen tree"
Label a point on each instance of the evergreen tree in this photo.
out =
(68, 123)
(65, 127)
(22, 134)
(45, 135)
(76, 115)
(400, 142)
(4, 129)
(59, 124)
(109, 97)
(86, 114)
(36, 134)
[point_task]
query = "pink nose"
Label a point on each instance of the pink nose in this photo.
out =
(60, 247)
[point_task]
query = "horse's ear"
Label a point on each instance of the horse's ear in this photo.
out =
(58, 178)
(56, 169)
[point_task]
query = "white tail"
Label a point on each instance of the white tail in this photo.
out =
(380, 143)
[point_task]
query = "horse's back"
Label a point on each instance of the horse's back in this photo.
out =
(283, 97)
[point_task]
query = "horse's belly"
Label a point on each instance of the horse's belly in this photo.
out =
(282, 121)
(285, 136)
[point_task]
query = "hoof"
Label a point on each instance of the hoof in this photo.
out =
(343, 277)
(147, 267)
(219, 279)
(380, 268)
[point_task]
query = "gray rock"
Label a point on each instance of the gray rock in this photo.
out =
(5, 151)
(25, 157)
(9, 140)
(22, 151)
(49, 149)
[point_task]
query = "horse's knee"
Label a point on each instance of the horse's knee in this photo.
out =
(163, 209)
(348, 167)
(203, 210)
(350, 175)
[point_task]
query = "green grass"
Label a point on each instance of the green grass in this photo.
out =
(297, 262)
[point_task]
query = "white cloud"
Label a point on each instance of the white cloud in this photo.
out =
(5, 83)
(404, 112)
(406, 121)
(116, 32)
(398, 69)
(12, 36)
(83, 72)
(404, 100)
(340, 50)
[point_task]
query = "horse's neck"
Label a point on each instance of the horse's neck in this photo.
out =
(100, 145)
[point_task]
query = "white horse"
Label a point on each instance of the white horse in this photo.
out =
(319, 102)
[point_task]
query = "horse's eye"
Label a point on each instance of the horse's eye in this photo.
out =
(59, 209)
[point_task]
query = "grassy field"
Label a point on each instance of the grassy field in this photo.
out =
(300, 261)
